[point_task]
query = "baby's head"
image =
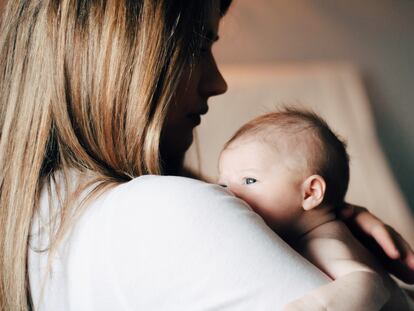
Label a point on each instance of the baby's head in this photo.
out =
(285, 163)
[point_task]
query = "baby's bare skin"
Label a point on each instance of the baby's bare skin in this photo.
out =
(358, 281)
(291, 203)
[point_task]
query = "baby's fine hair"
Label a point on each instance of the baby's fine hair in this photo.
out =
(325, 150)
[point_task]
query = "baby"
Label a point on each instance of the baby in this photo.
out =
(293, 171)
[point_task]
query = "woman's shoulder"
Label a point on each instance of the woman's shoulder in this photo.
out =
(178, 238)
(167, 185)
(170, 194)
(152, 189)
(160, 234)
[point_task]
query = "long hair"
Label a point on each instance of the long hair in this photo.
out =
(85, 85)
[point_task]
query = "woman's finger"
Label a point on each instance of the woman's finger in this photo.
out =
(347, 211)
(382, 235)
(401, 266)
(365, 220)
(374, 227)
(410, 260)
(407, 253)
(388, 245)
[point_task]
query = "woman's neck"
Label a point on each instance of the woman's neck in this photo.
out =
(172, 165)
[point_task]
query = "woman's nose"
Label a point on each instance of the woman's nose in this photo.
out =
(212, 82)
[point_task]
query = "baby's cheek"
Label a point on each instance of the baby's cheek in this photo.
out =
(260, 202)
(249, 198)
(276, 209)
(262, 206)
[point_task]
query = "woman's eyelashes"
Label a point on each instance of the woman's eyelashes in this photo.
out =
(249, 180)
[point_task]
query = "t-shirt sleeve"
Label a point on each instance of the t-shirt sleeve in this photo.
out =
(173, 243)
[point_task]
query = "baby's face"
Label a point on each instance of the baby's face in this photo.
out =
(256, 173)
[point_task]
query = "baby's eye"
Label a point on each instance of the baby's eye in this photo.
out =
(224, 186)
(249, 180)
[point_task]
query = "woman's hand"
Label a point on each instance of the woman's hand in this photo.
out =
(388, 245)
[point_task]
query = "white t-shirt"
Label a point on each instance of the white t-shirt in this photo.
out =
(167, 243)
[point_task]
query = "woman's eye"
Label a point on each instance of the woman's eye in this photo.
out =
(249, 180)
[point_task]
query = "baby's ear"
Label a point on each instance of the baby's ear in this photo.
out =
(313, 191)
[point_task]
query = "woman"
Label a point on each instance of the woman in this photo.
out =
(95, 95)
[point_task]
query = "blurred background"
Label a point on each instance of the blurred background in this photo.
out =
(377, 36)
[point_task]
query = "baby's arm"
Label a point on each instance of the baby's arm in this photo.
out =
(355, 287)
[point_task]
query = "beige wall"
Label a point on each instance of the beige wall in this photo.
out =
(376, 35)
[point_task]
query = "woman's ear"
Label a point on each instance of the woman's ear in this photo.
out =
(313, 192)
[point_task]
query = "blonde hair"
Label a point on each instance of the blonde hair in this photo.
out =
(324, 151)
(84, 85)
